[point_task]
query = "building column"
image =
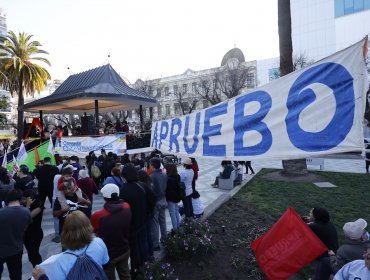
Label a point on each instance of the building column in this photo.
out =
(141, 117)
(41, 124)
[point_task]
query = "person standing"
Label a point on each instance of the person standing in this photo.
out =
(187, 176)
(195, 167)
(34, 234)
(45, 175)
(17, 219)
(88, 187)
(159, 182)
(248, 165)
(367, 156)
(6, 185)
(112, 224)
(173, 194)
(23, 180)
(135, 195)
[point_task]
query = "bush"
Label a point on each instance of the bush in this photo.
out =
(156, 271)
(192, 239)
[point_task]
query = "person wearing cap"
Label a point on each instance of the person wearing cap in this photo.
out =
(358, 243)
(187, 176)
(112, 224)
(24, 180)
(355, 270)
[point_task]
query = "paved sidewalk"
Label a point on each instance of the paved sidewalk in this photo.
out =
(209, 169)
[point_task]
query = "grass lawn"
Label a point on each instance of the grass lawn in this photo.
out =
(348, 202)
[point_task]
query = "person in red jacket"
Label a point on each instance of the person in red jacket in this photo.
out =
(195, 167)
(87, 186)
(112, 224)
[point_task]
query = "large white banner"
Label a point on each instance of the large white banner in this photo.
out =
(314, 111)
(81, 146)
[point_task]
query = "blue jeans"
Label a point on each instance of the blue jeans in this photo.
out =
(159, 220)
(173, 209)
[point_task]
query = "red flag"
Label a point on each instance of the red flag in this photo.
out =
(288, 246)
(37, 157)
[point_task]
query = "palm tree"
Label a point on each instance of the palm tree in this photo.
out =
(298, 166)
(18, 72)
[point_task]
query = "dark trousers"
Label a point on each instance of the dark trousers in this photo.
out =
(149, 229)
(32, 244)
(138, 250)
(44, 194)
(323, 269)
(14, 264)
(248, 165)
(188, 206)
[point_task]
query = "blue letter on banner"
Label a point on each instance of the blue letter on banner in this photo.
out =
(155, 135)
(244, 123)
(193, 148)
(336, 77)
(214, 150)
(163, 133)
(173, 136)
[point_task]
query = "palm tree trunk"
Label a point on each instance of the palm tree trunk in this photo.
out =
(298, 166)
(20, 128)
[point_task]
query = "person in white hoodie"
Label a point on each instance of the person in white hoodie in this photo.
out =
(356, 270)
(198, 208)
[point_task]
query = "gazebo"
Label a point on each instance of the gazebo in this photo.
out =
(99, 89)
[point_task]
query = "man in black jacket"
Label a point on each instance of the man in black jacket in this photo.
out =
(45, 176)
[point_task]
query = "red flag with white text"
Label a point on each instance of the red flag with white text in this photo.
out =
(286, 247)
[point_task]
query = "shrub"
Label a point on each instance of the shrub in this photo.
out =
(192, 239)
(156, 271)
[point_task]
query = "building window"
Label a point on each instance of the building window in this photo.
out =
(346, 7)
(166, 91)
(274, 73)
(214, 82)
(185, 105)
(177, 109)
(168, 110)
(194, 87)
(159, 111)
(250, 80)
(184, 88)
(159, 92)
(175, 89)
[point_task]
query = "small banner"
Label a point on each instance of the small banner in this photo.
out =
(288, 246)
(81, 146)
(314, 111)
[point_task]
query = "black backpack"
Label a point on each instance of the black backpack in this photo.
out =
(85, 268)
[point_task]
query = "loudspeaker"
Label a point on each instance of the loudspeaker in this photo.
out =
(87, 125)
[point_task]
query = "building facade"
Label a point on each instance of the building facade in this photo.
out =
(185, 93)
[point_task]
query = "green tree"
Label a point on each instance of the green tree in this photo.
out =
(298, 166)
(20, 75)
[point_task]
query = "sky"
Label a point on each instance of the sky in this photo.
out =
(145, 39)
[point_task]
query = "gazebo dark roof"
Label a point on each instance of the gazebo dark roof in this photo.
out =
(78, 93)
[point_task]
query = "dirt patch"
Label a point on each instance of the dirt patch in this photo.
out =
(233, 227)
(307, 178)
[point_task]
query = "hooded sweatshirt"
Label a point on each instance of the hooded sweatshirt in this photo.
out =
(112, 224)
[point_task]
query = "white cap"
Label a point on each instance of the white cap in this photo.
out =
(70, 166)
(109, 189)
(187, 161)
(354, 230)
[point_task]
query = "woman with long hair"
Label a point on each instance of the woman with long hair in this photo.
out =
(77, 238)
(173, 194)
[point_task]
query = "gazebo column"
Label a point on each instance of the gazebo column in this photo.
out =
(41, 124)
(96, 117)
(141, 117)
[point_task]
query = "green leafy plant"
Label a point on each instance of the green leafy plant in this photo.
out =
(193, 238)
(156, 271)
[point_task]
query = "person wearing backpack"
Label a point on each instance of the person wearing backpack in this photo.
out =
(112, 224)
(85, 254)
(115, 178)
(173, 194)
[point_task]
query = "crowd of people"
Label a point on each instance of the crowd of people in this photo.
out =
(351, 258)
(119, 238)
